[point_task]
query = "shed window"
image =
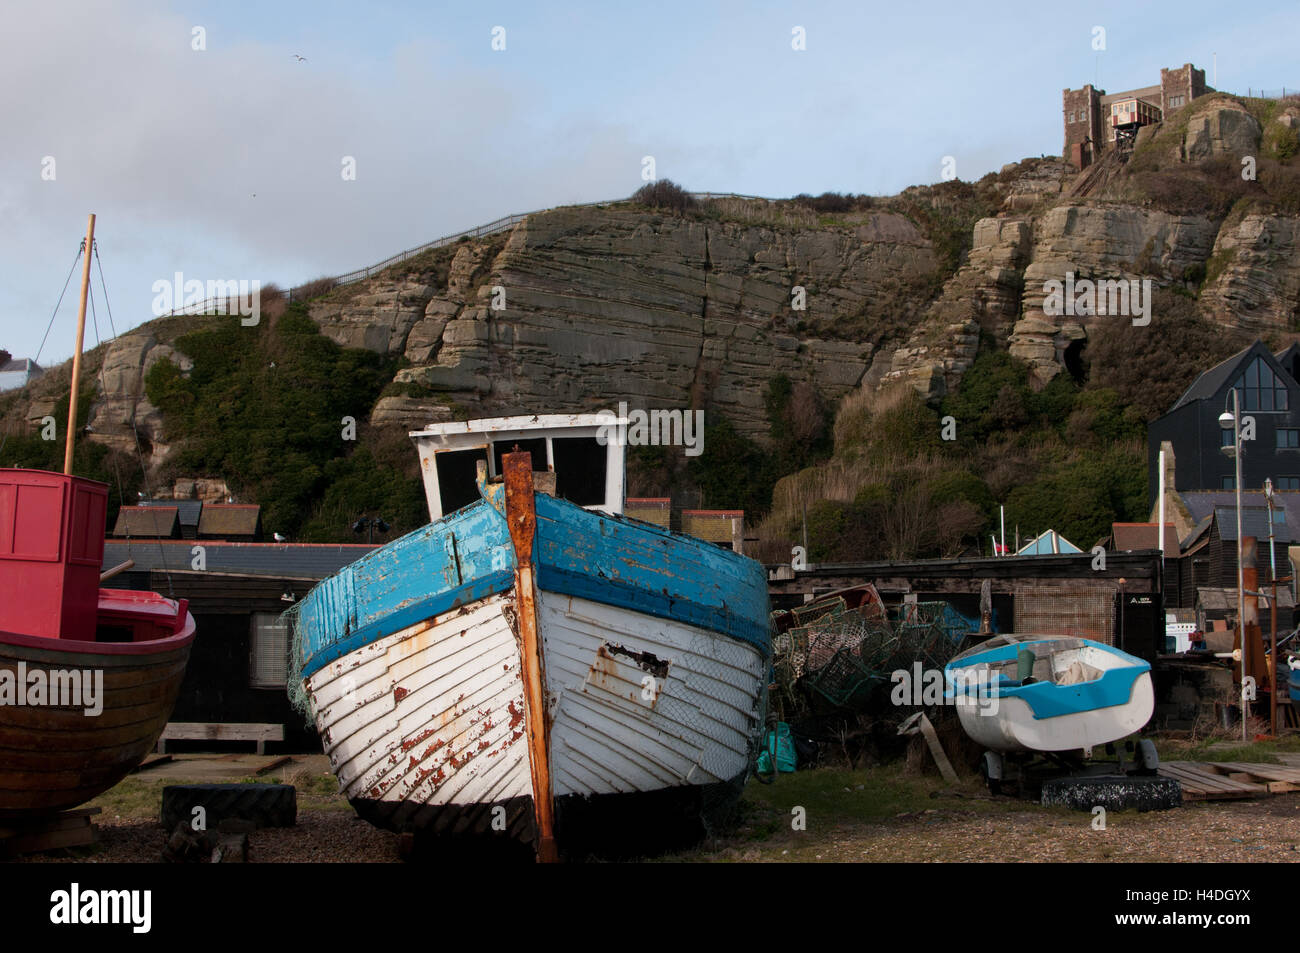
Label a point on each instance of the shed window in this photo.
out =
(269, 664)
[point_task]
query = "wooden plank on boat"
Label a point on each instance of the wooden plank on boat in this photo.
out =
(1202, 781)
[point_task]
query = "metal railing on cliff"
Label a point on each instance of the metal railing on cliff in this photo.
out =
(310, 288)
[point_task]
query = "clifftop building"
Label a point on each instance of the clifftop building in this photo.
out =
(1093, 118)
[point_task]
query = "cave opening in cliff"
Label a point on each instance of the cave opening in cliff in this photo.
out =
(1075, 364)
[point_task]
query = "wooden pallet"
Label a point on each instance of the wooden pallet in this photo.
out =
(1226, 780)
(67, 829)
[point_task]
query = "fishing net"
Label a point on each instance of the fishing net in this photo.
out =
(298, 696)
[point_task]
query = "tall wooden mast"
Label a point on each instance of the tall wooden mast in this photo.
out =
(76, 355)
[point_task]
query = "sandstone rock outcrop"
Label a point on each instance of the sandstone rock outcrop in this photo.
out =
(1223, 131)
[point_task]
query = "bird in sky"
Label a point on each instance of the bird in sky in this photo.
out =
(300, 59)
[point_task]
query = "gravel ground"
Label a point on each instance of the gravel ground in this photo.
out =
(319, 837)
(1263, 830)
(1224, 831)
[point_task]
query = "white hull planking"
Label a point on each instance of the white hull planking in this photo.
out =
(434, 714)
(616, 727)
(1013, 727)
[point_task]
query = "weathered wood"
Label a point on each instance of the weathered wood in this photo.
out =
(273, 764)
(1202, 780)
(66, 829)
(521, 516)
(220, 731)
(54, 757)
(116, 570)
(152, 761)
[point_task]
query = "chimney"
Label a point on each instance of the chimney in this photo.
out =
(1168, 449)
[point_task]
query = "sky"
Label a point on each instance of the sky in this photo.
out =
(205, 146)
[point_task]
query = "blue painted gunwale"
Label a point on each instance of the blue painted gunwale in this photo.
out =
(1047, 699)
(468, 556)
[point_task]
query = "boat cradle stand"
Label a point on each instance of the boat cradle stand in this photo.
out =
(1069, 779)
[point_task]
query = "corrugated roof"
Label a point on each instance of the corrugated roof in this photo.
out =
(284, 560)
(1132, 536)
(150, 521)
(230, 519)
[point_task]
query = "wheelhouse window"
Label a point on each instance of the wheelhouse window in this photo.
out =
(269, 662)
(458, 477)
(1260, 389)
(535, 446)
(579, 470)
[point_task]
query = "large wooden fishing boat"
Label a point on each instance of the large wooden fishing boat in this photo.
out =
(88, 676)
(533, 665)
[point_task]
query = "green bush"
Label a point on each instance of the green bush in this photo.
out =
(263, 408)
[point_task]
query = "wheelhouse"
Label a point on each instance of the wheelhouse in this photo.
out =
(581, 453)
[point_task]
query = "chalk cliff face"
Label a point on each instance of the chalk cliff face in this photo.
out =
(580, 308)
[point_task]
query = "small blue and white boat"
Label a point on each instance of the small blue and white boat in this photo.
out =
(532, 659)
(1048, 693)
(1293, 666)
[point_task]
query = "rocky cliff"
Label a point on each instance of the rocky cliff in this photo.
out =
(580, 308)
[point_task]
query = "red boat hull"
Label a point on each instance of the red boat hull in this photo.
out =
(53, 757)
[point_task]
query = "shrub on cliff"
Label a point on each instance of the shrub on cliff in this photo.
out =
(665, 194)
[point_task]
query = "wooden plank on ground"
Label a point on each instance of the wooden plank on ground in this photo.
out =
(67, 829)
(151, 762)
(274, 763)
(1206, 780)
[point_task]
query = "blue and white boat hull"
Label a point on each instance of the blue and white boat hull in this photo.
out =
(653, 648)
(1082, 694)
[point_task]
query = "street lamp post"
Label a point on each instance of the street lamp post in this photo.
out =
(1233, 419)
(1272, 617)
